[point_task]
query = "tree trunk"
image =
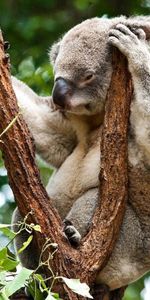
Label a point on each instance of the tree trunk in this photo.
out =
(30, 195)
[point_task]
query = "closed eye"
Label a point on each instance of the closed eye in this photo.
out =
(86, 79)
(89, 77)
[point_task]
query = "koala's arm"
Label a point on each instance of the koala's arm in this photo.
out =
(79, 218)
(52, 132)
(133, 44)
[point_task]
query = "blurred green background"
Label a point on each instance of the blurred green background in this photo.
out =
(31, 27)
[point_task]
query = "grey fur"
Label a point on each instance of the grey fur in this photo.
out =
(69, 138)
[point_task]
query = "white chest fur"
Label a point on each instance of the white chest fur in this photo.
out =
(77, 174)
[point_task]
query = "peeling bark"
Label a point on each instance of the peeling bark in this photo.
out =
(30, 195)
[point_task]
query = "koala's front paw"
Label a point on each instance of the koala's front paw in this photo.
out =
(128, 41)
(72, 233)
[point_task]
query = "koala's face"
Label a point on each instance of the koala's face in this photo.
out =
(82, 68)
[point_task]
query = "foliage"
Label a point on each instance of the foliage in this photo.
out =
(12, 280)
(31, 27)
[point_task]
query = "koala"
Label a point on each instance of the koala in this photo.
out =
(67, 127)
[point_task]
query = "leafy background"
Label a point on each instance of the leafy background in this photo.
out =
(31, 27)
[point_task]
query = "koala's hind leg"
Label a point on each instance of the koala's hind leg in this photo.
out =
(129, 259)
(28, 257)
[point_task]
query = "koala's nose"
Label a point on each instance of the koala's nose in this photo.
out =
(61, 91)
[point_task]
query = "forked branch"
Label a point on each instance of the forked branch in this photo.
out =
(30, 195)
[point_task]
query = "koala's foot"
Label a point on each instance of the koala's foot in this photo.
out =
(72, 233)
(127, 40)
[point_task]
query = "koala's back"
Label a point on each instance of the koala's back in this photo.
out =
(131, 256)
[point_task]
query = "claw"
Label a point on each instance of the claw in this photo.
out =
(72, 234)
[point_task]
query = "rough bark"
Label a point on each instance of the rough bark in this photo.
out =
(30, 195)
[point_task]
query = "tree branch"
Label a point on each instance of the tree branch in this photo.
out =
(30, 194)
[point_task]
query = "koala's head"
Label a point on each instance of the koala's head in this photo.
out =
(82, 67)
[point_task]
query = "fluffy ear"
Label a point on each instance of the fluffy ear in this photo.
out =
(54, 50)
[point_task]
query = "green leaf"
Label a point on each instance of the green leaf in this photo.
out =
(10, 254)
(3, 254)
(18, 282)
(34, 290)
(4, 225)
(39, 278)
(7, 232)
(3, 278)
(50, 296)
(26, 244)
(3, 296)
(37, 228)
(8, 264)
(56, 296)
(77, 287)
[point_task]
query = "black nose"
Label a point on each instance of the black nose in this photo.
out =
(62, 91)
